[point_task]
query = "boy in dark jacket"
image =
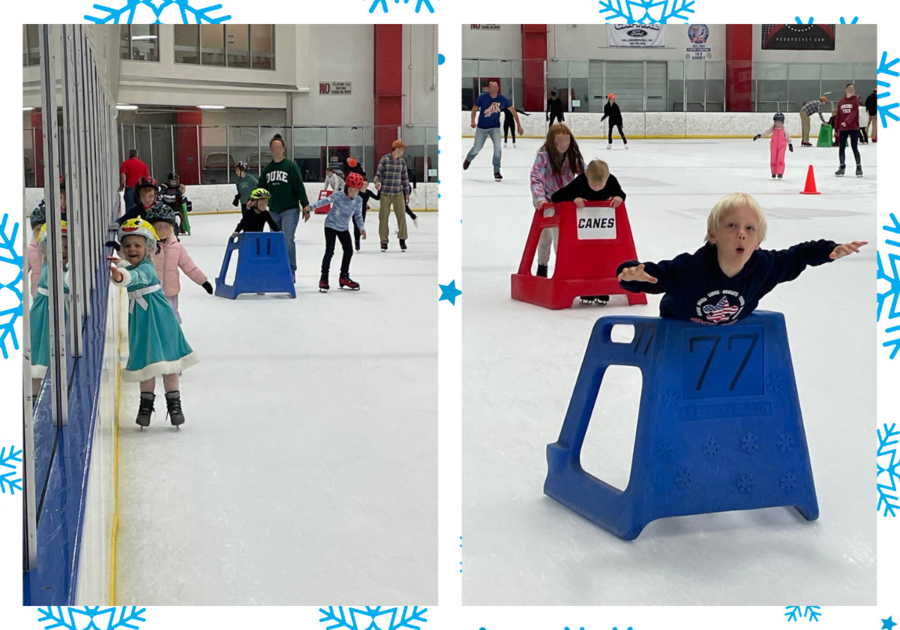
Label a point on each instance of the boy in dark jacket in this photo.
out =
(723, 281)
(611, 110)
(595, 184)
(872, 111)
(147, 192)
(554, 109)
(255, 215)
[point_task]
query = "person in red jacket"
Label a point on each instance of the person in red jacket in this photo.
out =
(847, 126)
(131, 171)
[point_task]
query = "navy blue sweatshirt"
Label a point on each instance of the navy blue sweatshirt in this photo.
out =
(580, 187)
(696, 289)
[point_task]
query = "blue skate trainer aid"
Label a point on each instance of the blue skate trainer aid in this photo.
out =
(719, 426)
(262, 266)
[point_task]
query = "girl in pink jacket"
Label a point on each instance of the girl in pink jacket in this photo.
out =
(171, 255)
(557, 163)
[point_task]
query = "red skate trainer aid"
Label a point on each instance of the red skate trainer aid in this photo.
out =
(593, 242)
(327, 207)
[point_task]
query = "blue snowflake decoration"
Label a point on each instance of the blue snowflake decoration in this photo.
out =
(890, 296)
(383, 5)
(10, 315)
(654, 11)
(373, 618)
(181, 8)
(887, 463)
(91, 618)
(9, 479)
(885, 69)
(796, 613)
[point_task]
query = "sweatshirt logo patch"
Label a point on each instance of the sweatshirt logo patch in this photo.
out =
(719, 307)
(276, 176)
(493, 109)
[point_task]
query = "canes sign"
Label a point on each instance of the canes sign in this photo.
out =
(596, 223)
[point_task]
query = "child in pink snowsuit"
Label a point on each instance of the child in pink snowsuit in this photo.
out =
(171, 256)
(781, 140)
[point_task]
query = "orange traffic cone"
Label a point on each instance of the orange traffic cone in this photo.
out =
(810, 188)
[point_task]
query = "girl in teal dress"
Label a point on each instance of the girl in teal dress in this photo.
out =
(39, 315)
(156, 344)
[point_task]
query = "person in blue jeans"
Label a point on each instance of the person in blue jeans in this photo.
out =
(489, 105)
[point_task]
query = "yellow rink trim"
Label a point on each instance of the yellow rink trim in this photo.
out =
(115, 527)
(648, 137)
(200, 214)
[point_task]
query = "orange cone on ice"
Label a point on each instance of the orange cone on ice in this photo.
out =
(810, 188)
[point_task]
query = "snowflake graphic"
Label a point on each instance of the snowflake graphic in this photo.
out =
(9, 479)
(893, 291)
(749, 443)
(665, 452)
(177, 9)
(887, 462)
(745, 483)
(655, 11)
(843, 21)
(683, 478)
(796, 613)
(775, 383)
(394, 618)
(383, 4)
(91, 618)
(10, 313)
(785, 442)
(884, 68)
(710, 448)
(788, 481)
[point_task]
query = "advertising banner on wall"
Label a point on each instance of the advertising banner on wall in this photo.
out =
(636, 35)
(798, 36)
(698, 46)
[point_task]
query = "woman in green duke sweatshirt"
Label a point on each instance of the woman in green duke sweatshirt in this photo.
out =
(283, 180)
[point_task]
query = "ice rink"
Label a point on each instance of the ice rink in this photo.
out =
(306, 471)
(520, 363)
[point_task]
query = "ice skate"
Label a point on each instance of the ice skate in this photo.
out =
(498, 177)
(626, 147)
(323, 283)
(466, 165)
(599, 300)
(402, 244)
(609, 146)
(859, 170)
(416, 222)
(840, 171)
(773, 175)
(806, 144)
(173, 405)
(384, 247)
(780, 176)
(145, 409)
(541, 271)
(347, 283)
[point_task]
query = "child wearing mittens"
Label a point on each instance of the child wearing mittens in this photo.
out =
(39, 315)
(156, 344)
(781, 140)
(172, 256)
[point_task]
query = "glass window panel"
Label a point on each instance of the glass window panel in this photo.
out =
(558, 81)
(187, 43)
(771, 86)
(715, 86)
(237, 43)
(578, 72)
(469, 83)
(676, 86)
(124, 42)
(216, 160)
(24, 45)
(656, 86)
(625, 79)
(212, 45)
(34, 51)
(145, 42)
(243, 141)
(803, 84)
(262, 46)
(694, 80)
(309, 152)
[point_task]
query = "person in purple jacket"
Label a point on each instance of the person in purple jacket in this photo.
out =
(723, 281)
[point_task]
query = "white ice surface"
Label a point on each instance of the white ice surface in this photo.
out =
(520, 363)
(306, 472)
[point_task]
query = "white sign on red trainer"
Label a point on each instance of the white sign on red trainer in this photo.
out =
(596, 223)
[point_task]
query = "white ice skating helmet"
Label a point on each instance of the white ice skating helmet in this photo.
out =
(139, 227)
